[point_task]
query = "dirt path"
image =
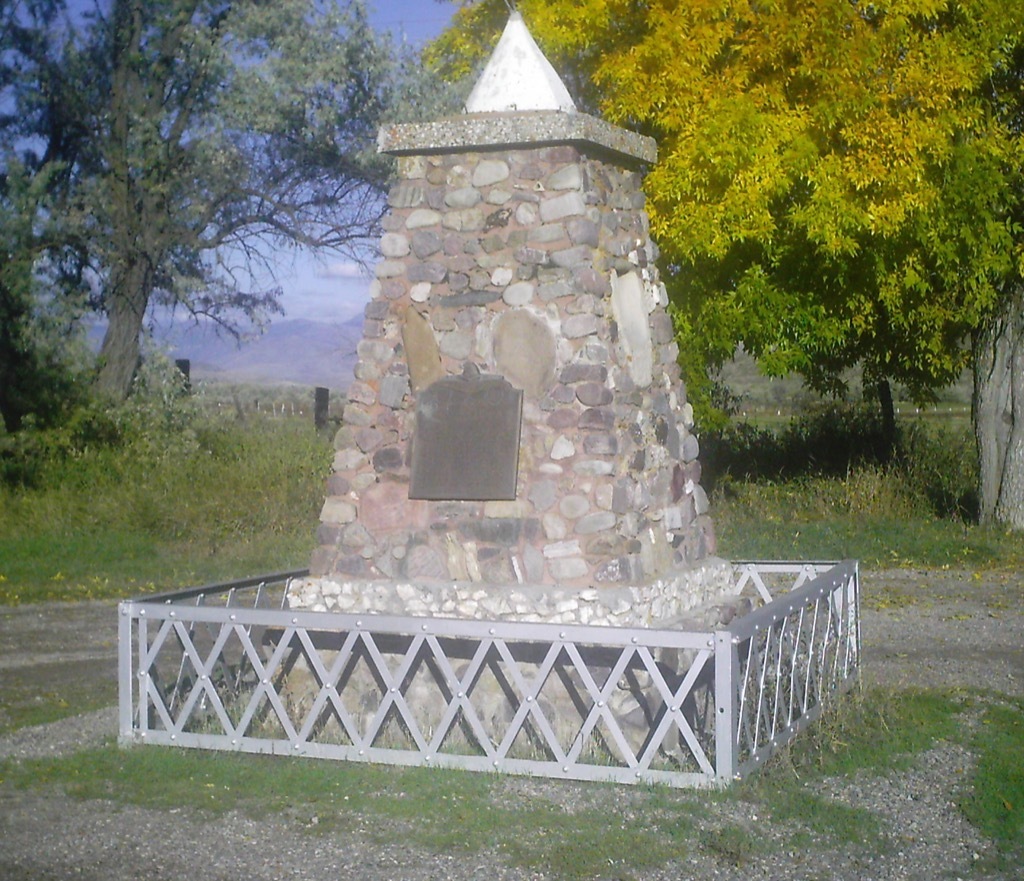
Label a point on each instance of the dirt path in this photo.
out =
(919, 628)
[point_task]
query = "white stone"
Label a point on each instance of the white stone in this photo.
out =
(518, 77)
(570, 204)
(501, 276)
(420, 293)
(593, 467)
(346, 602)
(554, 527)
(344, 460)
(406, 592)
(573, 506)
(700, 500)
(394, 245)
(506, 508)
(565, 568)
(634, 330)
(389, 268)
(562, 448)
(568, 178)
(490, 171)
(526, 214)
(422, 217)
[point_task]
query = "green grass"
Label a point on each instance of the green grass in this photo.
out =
(23, 703)
(230, 500)
(995, 802)
(819, 518)
(875, 730)
(872, 731)
(566, 829)
(441, 811)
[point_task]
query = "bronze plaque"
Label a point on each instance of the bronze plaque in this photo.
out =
(466, 441)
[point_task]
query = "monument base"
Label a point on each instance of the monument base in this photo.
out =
(676, 595)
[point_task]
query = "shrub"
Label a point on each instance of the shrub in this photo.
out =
(931, 470)
(825, 442)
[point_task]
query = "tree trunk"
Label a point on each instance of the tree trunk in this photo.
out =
(998, 413)
(126, 308)
(884, 392)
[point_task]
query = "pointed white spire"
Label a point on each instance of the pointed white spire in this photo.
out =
(518, 77)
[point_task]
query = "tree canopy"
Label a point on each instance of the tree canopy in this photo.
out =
(832, 182)
(185, 141)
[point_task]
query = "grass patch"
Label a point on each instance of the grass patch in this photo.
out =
(732, 843)
(873, 730)
(569, 830)
(995, 801)
(816, 518)
(827, 485)
(232, 500)
(25, 702)
(438, 810)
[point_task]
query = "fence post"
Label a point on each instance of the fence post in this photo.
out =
(321, 400)
(126, 680)
(185, 366)
(726, 707)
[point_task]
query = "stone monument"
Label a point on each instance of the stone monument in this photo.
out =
(517, 442)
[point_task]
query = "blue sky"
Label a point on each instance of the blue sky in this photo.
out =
(323, 289)
(417, 20)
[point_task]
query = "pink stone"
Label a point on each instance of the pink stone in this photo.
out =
(387, 507)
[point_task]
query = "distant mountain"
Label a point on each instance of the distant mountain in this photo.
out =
(299, 351)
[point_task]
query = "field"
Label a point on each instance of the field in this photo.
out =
(179, 490)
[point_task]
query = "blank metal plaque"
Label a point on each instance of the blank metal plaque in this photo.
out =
(466, 441)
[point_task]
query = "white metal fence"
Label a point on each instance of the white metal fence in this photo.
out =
(229, 667)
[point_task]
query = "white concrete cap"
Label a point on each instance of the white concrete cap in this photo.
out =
(518, 77)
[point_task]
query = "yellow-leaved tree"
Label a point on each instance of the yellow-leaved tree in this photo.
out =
(838, 184)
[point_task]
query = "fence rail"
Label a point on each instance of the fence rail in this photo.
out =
(230, 667)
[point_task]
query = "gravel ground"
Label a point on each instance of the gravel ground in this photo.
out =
(920, 629)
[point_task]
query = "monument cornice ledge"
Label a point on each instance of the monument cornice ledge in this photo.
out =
(534, 128)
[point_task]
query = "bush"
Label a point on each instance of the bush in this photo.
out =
(941, 465)
(161, 464)
(931, 470)
(825, 442)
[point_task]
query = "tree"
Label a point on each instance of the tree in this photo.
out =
(37, 376)
(838, 182)
(226, 130)
(998, 341)
(189, 141)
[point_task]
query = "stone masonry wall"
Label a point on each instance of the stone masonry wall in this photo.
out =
(534, 264)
